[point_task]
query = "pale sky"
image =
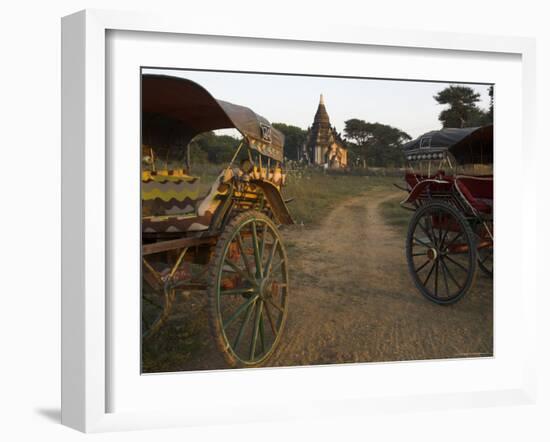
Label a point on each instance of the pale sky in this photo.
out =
(407, 105)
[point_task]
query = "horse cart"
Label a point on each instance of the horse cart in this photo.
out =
(450, 189)
(225, 242)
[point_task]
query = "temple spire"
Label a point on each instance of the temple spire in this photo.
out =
(323, 145)
(321, 115)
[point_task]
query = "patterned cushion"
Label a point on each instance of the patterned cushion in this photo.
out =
(170, 202)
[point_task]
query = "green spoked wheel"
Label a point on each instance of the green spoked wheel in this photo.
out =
(157, 298)
(441, 252)
(248, 290)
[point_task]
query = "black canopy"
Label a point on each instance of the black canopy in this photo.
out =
(469, 145)
(175, 110)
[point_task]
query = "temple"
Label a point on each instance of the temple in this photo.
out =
(323, 145)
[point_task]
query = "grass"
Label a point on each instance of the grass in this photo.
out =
(206, 173)
(170, 349)
(182, 336)
(316, 193)
(394, 214)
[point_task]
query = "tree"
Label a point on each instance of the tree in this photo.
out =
(375, 143)
(489, 113)
(358, 130)
(295, 137)
(485, 117)
(360, 133)
(491, 96)
(212, 148)
(462, 110)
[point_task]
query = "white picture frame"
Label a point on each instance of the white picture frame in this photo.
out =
(86, 351)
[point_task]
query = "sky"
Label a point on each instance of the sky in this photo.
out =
(407, 105)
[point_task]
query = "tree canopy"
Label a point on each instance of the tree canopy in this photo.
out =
(462, 110)
(209, 147)
(375, 144)
(295, 137)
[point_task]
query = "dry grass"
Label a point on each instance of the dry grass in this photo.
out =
(316, 194)
(394, 214)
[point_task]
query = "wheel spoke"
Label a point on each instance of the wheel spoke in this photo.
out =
(267, 270)
(255, 333)
(240, 311)
(242, 291)
(434, 240)
(439, 222)
(456, 263)
(429, 274)
(428, 246)
(424, 229)
(240, 271)
(444, 236)
(243, 254)
(450, 274)
(262, 244)
(445, 278)
(275, 267)
(422, 266)
(270, 301)
(262, 331)
(436, 276)
(489, 255)
(256, 251)
(243, 324)
(458, 235)
(270, 320)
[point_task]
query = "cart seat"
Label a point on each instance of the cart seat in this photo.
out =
(171, 204)
(477, 190)
(168, 193)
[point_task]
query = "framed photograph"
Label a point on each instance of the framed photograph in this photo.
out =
(291, 224)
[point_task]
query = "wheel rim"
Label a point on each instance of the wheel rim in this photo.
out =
(251, 291)
(441, 254)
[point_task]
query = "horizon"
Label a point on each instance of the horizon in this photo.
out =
(405, 104)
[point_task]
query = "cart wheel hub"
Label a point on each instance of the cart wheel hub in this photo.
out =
(265, 289)
(432, 254)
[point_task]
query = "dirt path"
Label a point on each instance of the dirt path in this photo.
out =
(352, 299)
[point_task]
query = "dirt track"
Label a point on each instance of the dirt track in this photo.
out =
(352, 299)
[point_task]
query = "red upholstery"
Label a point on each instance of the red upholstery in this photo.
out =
(478, 191)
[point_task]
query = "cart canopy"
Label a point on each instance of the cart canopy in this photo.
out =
(469, 145)
(175, 110)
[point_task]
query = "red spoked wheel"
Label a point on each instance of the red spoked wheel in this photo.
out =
(441, 252)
